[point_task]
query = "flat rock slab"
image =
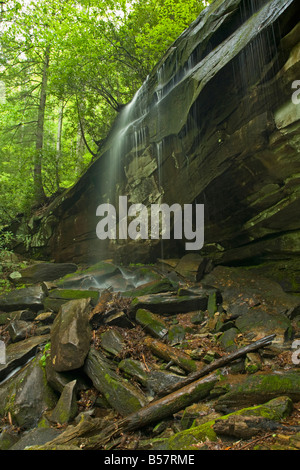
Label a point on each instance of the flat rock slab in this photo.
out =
(19, 353)
(27, 298)
(58, 297)
(167, 303)
(94, 276)
(36, 437)
(260, 388)
(44, 272)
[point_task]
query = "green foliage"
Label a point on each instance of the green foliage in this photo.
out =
(46, 353)
(65, 69)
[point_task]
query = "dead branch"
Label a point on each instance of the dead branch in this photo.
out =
(219, 363)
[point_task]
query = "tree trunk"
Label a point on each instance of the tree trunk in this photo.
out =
(58, 144)
(39, 194)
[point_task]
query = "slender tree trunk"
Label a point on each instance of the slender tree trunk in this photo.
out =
(58, 144)
(39, 194)
(80, 147)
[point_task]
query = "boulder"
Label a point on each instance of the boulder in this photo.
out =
(58, 297)
(151, 323)
(26, 395)
(44, 272)
(31, 298)
(71, 335)
(66, 408)
(168, 303)
(36, 437)
(260, 388)
(19, 329)
(120, 394)
(17, 354)
(112, 341)
(195, 437)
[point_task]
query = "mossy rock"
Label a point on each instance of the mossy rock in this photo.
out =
(152, 323)
(259, 388)
(153, 287)
(58, 297)
(276, 409)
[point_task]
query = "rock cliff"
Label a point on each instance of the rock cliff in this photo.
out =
(213, 124)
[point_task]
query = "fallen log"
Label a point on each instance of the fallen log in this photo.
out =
(155, 411)
(168, 353)
(218, 363)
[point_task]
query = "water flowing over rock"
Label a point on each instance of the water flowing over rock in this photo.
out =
(214, 123)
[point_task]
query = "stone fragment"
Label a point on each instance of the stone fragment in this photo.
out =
(44, 272)
(66, 408)
(26, 395)
(170, 304)
(19, 329)
(27, 298)
(58, 297)
(112, 341)
(17, 354)
(121, 395)
(36, 437)
(191, 266)
(71, 335)
(259, 388)
(151, 323)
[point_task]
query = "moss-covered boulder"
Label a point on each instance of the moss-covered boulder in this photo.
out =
(169, 303)
(152, 287)
(17, 354)
(276, 409)
(259, 388)
(58, 297)
(27, 395)
(120, 394)
(93, 276)
(152, 323)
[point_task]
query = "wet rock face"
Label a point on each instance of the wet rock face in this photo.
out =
(214, 124)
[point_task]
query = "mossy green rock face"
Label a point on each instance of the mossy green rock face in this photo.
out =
(152, 323)
(58, 297)
(153, 287)
(276, 409)
(259, 388)
(26, 395)
(120, 394)
(92, 276)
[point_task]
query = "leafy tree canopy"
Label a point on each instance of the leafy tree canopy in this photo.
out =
(66, 67)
